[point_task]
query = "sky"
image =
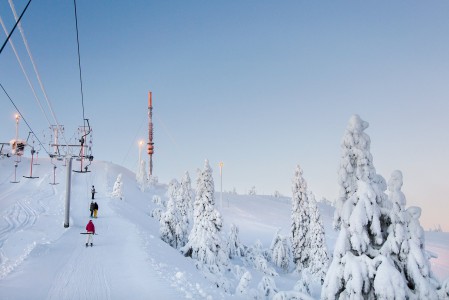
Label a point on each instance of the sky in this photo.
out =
(261, 86)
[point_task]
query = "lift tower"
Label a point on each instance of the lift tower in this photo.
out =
(150, 144)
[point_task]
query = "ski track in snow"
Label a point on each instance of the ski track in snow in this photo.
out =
(81, 278)
(22, 215)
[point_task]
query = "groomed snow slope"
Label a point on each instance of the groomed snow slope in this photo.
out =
(40, 259)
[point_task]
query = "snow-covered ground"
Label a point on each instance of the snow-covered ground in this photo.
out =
(40, 259)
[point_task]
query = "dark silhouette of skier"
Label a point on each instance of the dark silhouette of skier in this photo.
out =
(92, 190)
(92, 208)
(95, 209)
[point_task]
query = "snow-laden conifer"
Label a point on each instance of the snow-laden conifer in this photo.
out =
(405, 245)
(443, 292)
(363, 228)
(152, 181)
(280, 251)
(141, 176)
(267, 288)
(159, 209)
(170, 223)
(204, 242)
(304, 282)
(300, 221)
(257, 258)
(242, 287)
(234, 246)
(319, 261)
(420, 279)
(183, 206)
(187, 196)
(117, 190)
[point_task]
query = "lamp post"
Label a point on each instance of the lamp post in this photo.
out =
(140, 151)
(221, 183)
(17, 126)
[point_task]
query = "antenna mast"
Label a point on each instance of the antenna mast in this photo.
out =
(150, 144)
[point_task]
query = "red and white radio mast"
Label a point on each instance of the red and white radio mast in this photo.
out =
(150, 144)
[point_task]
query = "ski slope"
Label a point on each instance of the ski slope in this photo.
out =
(40, 259)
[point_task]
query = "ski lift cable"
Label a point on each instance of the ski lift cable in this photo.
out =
(79, 63)
(83, 138)
(29, 127)
(14, 28)
(11, 4)
(25, 73)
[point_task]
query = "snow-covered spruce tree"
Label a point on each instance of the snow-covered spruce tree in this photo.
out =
(141, 176)
(235, 248)
(304, 282)
(257, 258)
(420, 279)
(152, 181)
(158, 211)
(405, 245)
(170, 219)
(204, 242)
(363, 226)
(443, 292)
(198, 179)
(183, 205)
(117, 190)
(187, 196)
(300, 221)
(396, 244)
(267, 288)
(280, 251)
(242, 287)
(319, 261)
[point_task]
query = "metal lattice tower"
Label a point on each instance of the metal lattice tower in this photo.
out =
(150, 144)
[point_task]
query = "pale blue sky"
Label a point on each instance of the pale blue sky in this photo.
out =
(259, 85)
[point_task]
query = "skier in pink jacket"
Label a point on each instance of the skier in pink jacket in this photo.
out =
(90, 228)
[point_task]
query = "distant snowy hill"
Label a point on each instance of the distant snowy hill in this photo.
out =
(40, 259)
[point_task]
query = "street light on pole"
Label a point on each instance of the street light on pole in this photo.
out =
(17, 125)
(221, 183)
(140, 150)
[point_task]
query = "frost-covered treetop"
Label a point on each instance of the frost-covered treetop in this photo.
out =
(394, 187)
(356, 124)
(356, 164)
(186, 179)
(205, 188)
(173, 188)
(356, 156)
(298, 183)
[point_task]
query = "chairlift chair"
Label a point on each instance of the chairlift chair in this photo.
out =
(54, 176)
